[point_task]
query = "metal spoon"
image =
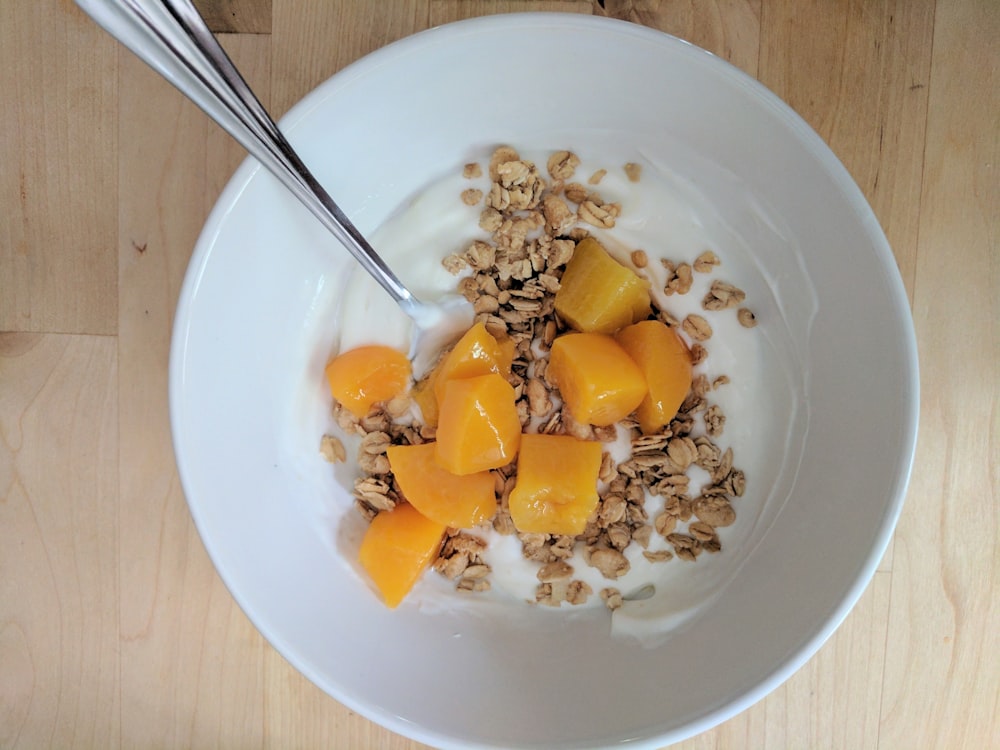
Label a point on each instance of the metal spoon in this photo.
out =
(172, 37)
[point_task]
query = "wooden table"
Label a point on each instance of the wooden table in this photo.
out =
(115, 630)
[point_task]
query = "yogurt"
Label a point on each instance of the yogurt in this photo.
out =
(668, 216)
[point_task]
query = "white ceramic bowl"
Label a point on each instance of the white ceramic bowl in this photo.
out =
(258, 316)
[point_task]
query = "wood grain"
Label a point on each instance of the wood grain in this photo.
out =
(944, 624)
(727, 28)
(236, 16)
(858, 72)
(115, 630)
(312, 41)
(59, 566)
(177, 689)
(58, 170)
(448, 11)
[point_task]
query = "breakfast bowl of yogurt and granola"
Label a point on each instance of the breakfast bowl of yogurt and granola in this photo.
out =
(652, 476)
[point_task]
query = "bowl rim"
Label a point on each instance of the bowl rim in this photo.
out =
(908, 382)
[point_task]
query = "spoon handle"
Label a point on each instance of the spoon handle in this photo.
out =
(171, 36)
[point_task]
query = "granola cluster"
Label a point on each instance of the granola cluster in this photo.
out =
(534, 222)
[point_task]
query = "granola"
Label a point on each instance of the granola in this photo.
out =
(746, 317)
(332, 449)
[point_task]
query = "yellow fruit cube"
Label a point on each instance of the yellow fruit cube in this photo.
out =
(598, 294)
(476, 353)
(367, 375)
(397, 547)
(556, 487)
(457, 501)
(666, 364)
(596, 378)
(478, 428)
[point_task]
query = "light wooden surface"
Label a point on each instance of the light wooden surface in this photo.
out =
(115, 630)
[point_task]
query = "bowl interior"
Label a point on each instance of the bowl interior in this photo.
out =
(258, 316)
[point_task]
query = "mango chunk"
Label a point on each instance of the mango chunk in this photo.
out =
(423, 396)
(397, 547)
(460, 502)
(598, 294)
(366, 375)
(556, 487)
(476, 353)
(596, 377)
(666, 364)
(478, 428)
(505, 358)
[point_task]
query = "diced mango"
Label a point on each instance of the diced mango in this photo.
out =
(666, 365)
(476, 353)
(460, 502)
(423, 395)
(398, 545)
(478, 428)
(599, 294)
(596, 378)
(366, 375)
(556, 487)
(508, 349)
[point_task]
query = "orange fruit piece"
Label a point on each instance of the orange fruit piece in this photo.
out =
(506, 357)
(478, 428)
(367, 375)
(422, 394)
(460, 502)
(666, 365)
(477, 352)
(598, 294)
(398, 545)
(596, 377)
(556, 487)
